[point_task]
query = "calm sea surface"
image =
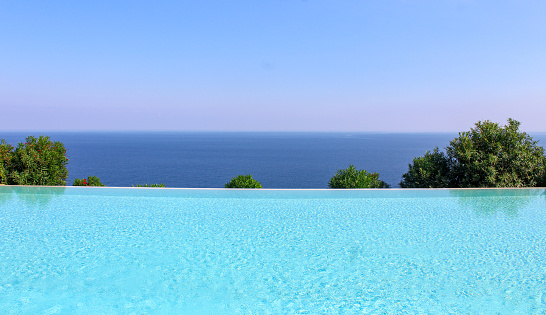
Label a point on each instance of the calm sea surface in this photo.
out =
(277, 160)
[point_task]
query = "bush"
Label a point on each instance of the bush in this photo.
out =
(90, 181)
(429, 171)
(37, 162)
(491, 156)
(5, 161)
(541, 181)
(353, 178)
(243, 181)
(151, 185)
(486, 156)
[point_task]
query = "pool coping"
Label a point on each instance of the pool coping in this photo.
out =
(279, 189)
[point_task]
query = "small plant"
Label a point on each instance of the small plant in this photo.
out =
(151, 185)
(353, 178)
(89, 181)
(80, 182)
(243, 181)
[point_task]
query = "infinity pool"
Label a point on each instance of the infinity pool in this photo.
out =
(114, 250)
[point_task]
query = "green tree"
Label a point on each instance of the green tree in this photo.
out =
(429, 171)
(89, 181)
(38, 162)
(493, 156)
(243, 181)
(488, 155)
(5, 161)
(541, 182)
(353, 178)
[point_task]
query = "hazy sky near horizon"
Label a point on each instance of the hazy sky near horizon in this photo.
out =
(368, 65)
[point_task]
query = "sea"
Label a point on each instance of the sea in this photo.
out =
(211, 159)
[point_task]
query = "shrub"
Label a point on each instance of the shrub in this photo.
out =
(90, 181)
(37, 162)
(541, 182)
(353, 178)
(151, 185)
(243, 181)
(486, 156)
(429, 171)
(493, 156)
(5, 161)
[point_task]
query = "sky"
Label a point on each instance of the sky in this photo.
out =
(283, 65)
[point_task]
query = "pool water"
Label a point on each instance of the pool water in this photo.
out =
(79, 250)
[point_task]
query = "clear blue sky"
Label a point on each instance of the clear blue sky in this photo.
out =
(368, 65)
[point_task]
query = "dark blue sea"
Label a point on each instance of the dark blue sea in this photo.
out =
(209, 160)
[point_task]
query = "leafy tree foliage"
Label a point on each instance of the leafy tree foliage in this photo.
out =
(541, 182)
(243, 181)
(353, 178)
(429, 171)
(89, 181)
(494, 156)
(488, 155)
(151, 185)
(37, 162)
(5, 161)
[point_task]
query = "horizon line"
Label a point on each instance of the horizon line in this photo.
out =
(227, 131)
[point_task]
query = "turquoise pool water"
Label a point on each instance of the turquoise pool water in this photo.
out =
(103, 250)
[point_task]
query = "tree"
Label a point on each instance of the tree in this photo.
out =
(429, 171)
(541, 182)
(5, 161)
(494, 156)
(488, 155)
(353, 178)
(37, 162)
(243, 181)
